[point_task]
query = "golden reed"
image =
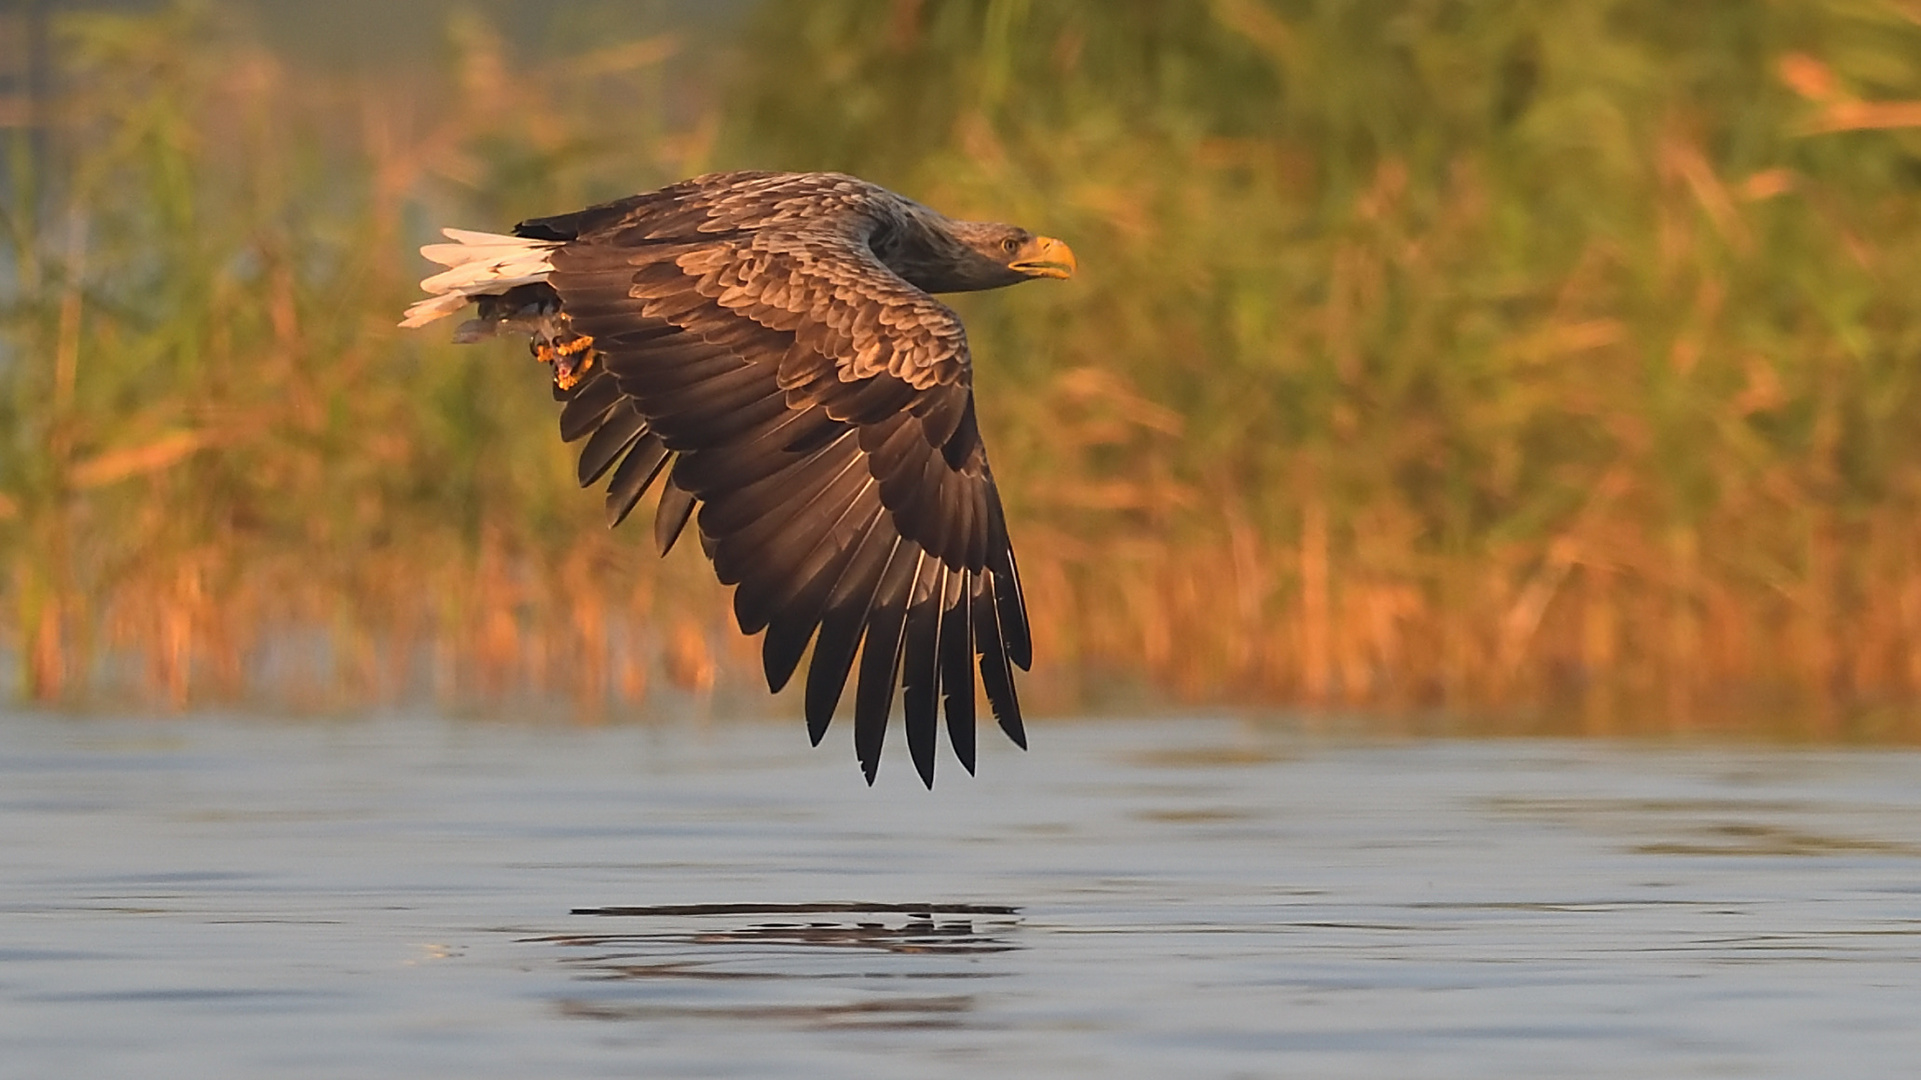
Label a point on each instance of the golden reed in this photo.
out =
(1419, 407)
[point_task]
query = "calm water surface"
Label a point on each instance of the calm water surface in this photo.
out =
(401, 898)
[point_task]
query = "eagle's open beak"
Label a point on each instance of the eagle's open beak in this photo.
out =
(1045, 257)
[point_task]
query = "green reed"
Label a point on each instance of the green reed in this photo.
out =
(1471, 354)
(225, 464)
(1490, 356)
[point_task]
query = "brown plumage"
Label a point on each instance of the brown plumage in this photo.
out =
(768, 344)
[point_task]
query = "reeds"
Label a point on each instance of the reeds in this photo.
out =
(1483, 356)
(1525, 360)
(227, 471)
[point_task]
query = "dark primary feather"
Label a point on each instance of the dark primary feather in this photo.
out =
(620, 428)
(920, 665)
(644, 462)
(812, 412)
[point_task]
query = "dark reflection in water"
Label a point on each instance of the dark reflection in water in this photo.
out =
(926, 929)
(899, 1013)
(672, 943)
(424, 898)
(916, 936)
(838, 907)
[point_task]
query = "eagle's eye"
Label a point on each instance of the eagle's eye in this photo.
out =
(1011, 245)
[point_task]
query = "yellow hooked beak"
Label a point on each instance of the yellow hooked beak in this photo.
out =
(1045, 256)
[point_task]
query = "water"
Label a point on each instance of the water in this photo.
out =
(246, 898)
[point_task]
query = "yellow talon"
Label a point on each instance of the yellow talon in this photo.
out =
(569, 372)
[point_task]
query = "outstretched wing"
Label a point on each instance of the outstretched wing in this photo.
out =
(819, 409)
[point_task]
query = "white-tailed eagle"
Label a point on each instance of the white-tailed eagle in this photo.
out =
(767, 345)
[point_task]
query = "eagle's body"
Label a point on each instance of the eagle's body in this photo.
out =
(769, 344)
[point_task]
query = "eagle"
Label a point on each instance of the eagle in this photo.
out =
(768, 349)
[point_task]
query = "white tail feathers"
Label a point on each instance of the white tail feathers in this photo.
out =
(478, 264)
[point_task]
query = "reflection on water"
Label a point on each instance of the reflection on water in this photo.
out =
(715, 941)
(928, 929)
(417, 897)
(899, 1012)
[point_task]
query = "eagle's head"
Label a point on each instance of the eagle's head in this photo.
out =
(1000, 255)
(942, 255)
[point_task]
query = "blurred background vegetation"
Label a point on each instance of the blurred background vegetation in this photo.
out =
(1550, 362)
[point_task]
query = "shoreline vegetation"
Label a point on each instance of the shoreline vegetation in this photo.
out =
(1552, 359)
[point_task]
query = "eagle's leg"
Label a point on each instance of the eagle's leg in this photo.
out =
(534, 310)
(571, 354)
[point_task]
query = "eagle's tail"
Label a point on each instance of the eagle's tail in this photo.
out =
(478, 264)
